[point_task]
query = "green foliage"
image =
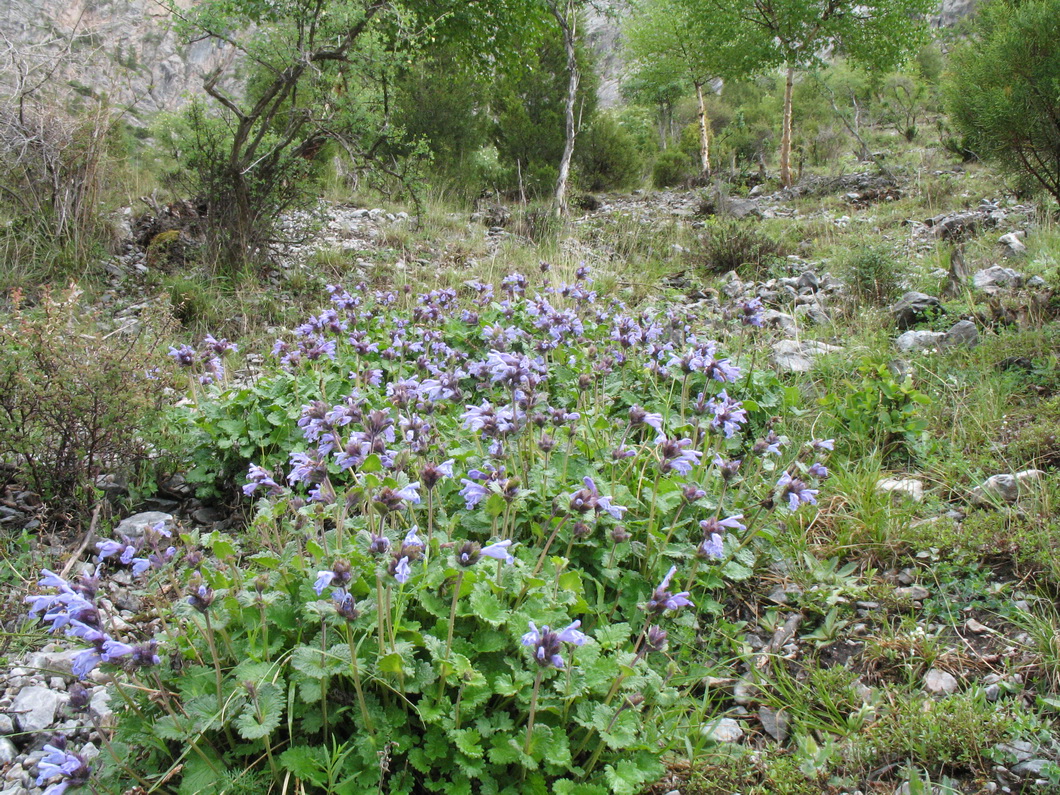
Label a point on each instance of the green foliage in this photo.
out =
(872, 274)
(731, 244)
(607, 157)
(528, 104)
(1002, 89)
(672, 167)
(878, 412)
(76, 402)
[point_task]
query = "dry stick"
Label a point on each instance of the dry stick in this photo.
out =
(84, 542)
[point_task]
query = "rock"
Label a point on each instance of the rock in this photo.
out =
(992, 692)
(791, 356)
(54, 662)
(914, 307)
(963, 334)
(916, 593)
(99, 707)
(1035, 281)
(7, 726)
(1032, 768)
(134, 526)
(8, 752)
(912, 341)
(775, 724)
(1005, 488)
(34, 708)
(1013, 246)
(902, 489)
(809, 280)
(771, 318)
(940, 683)
(996, 278)
(743, 692)
(1020, 750)
(974, 626)
(724, 730)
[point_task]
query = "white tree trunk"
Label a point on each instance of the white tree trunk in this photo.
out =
(566, 23)
(704, 133)
(785, 135)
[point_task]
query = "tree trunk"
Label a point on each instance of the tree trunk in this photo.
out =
(704, 133)
(574, 77)
(785, 136)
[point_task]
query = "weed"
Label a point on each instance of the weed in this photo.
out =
(731, 244)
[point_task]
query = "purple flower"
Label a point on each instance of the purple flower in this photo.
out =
(378, 545)
(470, 553)
(768, 445)
(796, 491)
(402, 572)
(62, 770)
(261, 478)
(431, 474)
(751, 312)
(308, 468)
(675, 456)
(498, 551)
(185, 355)
(818, 470)
(712, 547)
(546, 644)
(638, 416)
(729, 414)
(473, 493)
(823, 444)
(662, 600)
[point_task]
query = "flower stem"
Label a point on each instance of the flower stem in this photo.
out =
(533, 711)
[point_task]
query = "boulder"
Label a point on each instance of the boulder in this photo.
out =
(1013, 246)
(791, 356)
(34, 708)
(134, 526)
(996, 278)
(1005, 488)
(914, 307)
(919, 340)
(902, 489)
(963, 334)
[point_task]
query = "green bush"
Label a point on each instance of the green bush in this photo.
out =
(730, 244)
(672, 167)
(1002, 89)
(607, 156)
(76, 402)
(872, 274)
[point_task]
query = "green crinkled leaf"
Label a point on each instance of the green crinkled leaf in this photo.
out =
(628, 776)
(612, 636)
(306, 763)
(199, 777)
(737, 572)
(168, 727)
(567, 787)
(317, 664)
(469, 741)
(488, 607)
(262, 714)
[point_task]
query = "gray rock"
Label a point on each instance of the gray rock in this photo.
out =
(8, 752)
(99, 707)
(1020, 750)
(771, 318)
(60, 663)
(134, 526)
(809, 280)
(724, 730)
(911, 341)
(917, 593)
(791, 356)
(902, 489)
(775, 724)
(940, 683)
(1012, 244)
(963, 334)
(996, 278)
(1005, 488)
(34, 708)
(1035, 281)
(7, 726)
(992, 692)
(1032, 768)
(914, 307)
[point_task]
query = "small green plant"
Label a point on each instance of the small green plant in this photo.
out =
(879, 412)
(733, 244)
(672, 167)
(872, 274)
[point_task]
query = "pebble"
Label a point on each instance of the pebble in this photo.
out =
(34, 708)
(724, 730)
(917, 593)
(940, 682)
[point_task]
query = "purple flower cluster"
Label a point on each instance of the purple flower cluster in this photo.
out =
(589, 499)
(662, 600)
(150, 551)
(60, 769)
(545, 643)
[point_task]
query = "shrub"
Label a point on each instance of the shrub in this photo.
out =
(672, 167)
(1002, 89)
(607, 156)
(872, 274)
(76, 402)
(734, 244)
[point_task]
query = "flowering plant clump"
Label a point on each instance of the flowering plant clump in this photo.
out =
(441, 481)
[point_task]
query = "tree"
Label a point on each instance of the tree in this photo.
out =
(671, 45)
(797, 35)
(321, 71)
(1003, 89)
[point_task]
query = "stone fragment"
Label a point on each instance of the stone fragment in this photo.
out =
(134, 526)
(914, 307)
(940, 683)
(724, 730)
(921, 340)
(8, 752)
(791, 356)
(996, 278)
(1005, 488)
(775, 724)
(974, 626)
(1012, 244)
(34, 708)
(902, 489)
(916, 593)
(963, 334)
